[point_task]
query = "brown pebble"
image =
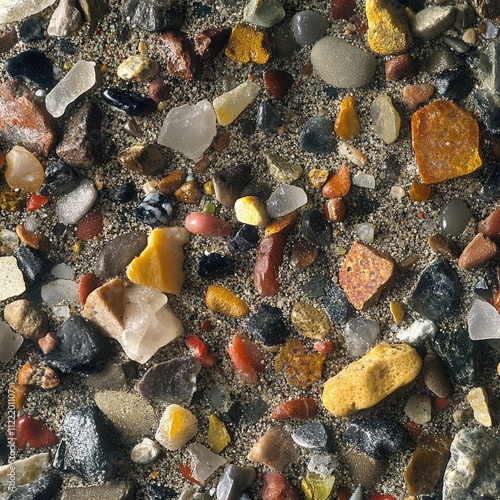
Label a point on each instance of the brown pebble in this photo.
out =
(34, 240)
(339, 184)
(303, 255)
(462, 416)
(48, 343)
(477, 253)
(211, 41)
(178, 51)
(189, 193)
(26, 319)
(222, 142)
(443, 245)
(34, 373)
(318, 176)
(206, 325)
(282, 224)
(491, 226)
(7, 40)
(419, 191)
(400, 67)
(278, 83)
(413, 95)
(173, 181)
(364, 470)
(159, 90)
(143, 158)
(267, 263)
(302, 409)
(435, 376)
(342, 9)
(335, 210)
(201, 165)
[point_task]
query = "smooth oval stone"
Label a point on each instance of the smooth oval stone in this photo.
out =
(285, 199)
(317, 135)
(74, 205)
(31, 66)
(454, 217)
(377, 436)
(316, 229)
(313, 436)
(118, 253)
(138, 68)
(308, 27)
(208, 225)
(386, 120)
(23, 170)
(341, 65)
(129, 103)
(268, 325)
(61, 178)
(267, 263)
(155, 210)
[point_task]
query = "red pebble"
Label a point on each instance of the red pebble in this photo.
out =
(413, 429)
(277, 487)
(206, 325)
(48, 343)
(208, 225)
(491, 226)
(267, 263)
(278, 83)
(440, 403)
(33, 433)
(375, 495)
(295, 408)
(342, 9)
(199, 350)
(90, 225)
(247, 358)
(343, 493)
(324, 346)
(159, 90)
(88, 284)
(36, 201)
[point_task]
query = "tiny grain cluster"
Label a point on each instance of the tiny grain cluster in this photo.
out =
(249, 250)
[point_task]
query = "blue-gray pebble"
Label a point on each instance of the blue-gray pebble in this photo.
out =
(308, 27)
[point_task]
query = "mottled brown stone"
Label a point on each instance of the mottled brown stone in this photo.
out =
(400, 67)
(477, 253)
(210, 42)
(491, 226)
(180, 56)
(267, 263)
(444, 245)
(143, 158)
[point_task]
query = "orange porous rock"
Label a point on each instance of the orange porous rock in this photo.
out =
(446, 141)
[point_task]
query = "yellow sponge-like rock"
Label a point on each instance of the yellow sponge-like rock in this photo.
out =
(366, 382)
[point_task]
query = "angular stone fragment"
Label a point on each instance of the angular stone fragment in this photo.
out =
(267, 263)
(310, 321)
(347, 121)
(478, 399)
(234, 481)
(26, 470)
(281, 169)
(443, 245)
(265, 13)
(388, 30)
(277, 486)
(364, 274)
(248, 44)
(111, 491)
(274, 449)
(282, 224)
(339, 184)
(159, 266)
(65, 21)
(180, 56)
(230, 105)
(143, 158)
(73, 206)
(12, 278)
(221, 299)
(24, 120)
(413, 95)
(372, 378)
(435, 376)
(209, 42)
(483, 321)
(477, 253)
(446, 141)
(9, 342)
(295, 408)
(155, 15)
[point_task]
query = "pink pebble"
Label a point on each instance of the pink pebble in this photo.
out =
(209, 225)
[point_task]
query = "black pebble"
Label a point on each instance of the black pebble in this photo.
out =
(245, 239)
(66, 46)
(31, 66)
(268, 117)
(317, 135)
(268, 325)
(60, 178)
(32, 264)
(454, 84)
(214, 264)
(155, 210)
(129, 103)
(159, 492)
(151, 15)
(124, 193)
(31, 30)
(44, 488)
(316, 229)
(337, 305)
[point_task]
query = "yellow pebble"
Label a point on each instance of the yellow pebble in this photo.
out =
(221, 299)
(369, 380)
(77, 246)
(143, 46)
(498, 368)
(67, 66)
(159, 266)
(478, 399)
(250, 210)
(397, 311)
(208, 188)
(347, 122)
(218, 437)
(161, 106)
(248, 44)
(177, 426)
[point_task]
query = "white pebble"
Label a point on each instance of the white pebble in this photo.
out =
(11, 278)
(285, 199)
(352, 154)
(418, 332)
(61, 311)
(418, 408)
(397, 192)
(71, 207)
(360, 335)
(58, 291)
(63, 271)
(364, 180)
(31, 223)
(365, 232)
(145, 452)
(10, 342)
(483, 321)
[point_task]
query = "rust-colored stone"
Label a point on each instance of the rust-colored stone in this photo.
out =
(34, 373)
(209, 42)
(24, 121)
(413, 95)
(491, 226)
(267, 263)
(7, 40)
(364, 274)
(278, 83)
(172, 182)
(339, 184)
(303, 255)
(33, 433)
(90, 225)
(20, 392)
(477, 253)
(277, 487)
(88, 284)
(446, 141)
(282, 224)
(335, 210)
(400, 67)
(48, 343)
(180, 56)
(419, 191)
(34, 240)
(302, 409)
(342, 9)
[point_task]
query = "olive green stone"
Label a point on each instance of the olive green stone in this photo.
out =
(310, 321)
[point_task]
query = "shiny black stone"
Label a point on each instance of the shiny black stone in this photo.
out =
(155, 210)
(153, 15)
(213, 265)
(245, 239)
(60, 178)
(377, 436)
(337, 305)
(490, 190)
(124, 193)
(31, 66)
(129, 103)
(317, 135)
(31, 29)
(80, 347)
(454, 84)
(316, 229)
(159, 492)
(44, 488)
(32, 263)
(268, 117)
(87, 449)
(268, 325)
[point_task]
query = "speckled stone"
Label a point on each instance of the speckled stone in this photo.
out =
(310, 321)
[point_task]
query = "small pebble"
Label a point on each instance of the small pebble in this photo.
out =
(234, 481)
(265, 13)
(274, 449)
(413, 95)
(10, 342)
(278, 83)
(177, 426)
(360, 335)
(454, 217)
(316, 136)
(204, 462)
(31, 66)
(145, 452)
(245, 239)
(347, 122)
(338, 185)
(246, 44)
(478, 399)
(418, 408)
(295, 408)
(268, 325)
(26, 319)
(454, 84)
(443, 245)
(138, 68)
(316, 229)
(285, 199)
(268, 118)
(365, 232)
(385, 119)
(230, 105)
(282, 170)
(209, 225)
(435, 376)
(12, 277)
(23, 170)
(477, 253)
(310, 321)
(400, 67)
(313, 436)
(250, 210)
(221, 299)
(214, 265)
(229, 183)
(309, 26)
(430, 22)
(130, 103)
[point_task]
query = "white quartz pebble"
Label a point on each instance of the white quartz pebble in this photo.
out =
(418, 408)
(10, 342)
(483, 321)
(63, 271)
(230, 105)
(17, 10)
(364, 180)
(73, 206)
(285, 199)
(365, 232)
(57, 291)
(11, 278)
(418, 332)
(145, 452)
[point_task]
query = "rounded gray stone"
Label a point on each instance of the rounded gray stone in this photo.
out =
(430, 22)
(308, 27)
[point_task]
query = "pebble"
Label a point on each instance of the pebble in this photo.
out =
(248, 44)
(438, 291)
(342, 65)
(276, 487)
(221, 299)
(31, 66)
(177, 426)
(303, 255)
(231, 104)
(179, 54)
(454, 217)
(145, 452)
(26, 319)
(33, 433)
(88, 449)
(32, 264)
(209, 43)
(302, 409)
(323, 464)
(309, 26)
(265, 13)
(130, 103)
(248, 361)
(339, 184)
(316, 136)
(189, 193)
(218, 437)
(385, 119)
(45, 486)
(432, 21)
(366, 181)
(173, 181)
(90, 225)
(250, 210)
(10, 342)
(111, 491)
(443, 245)
(435, 376)
(177, 132)
(483, 321)
(37, 375)
(155, 210)
(26, 470)
(138, 68)
(316, 229)
(60, 179)
(364, 274)
(31, 30)
(441, 59)
(153, 16)
(268, 325)
(313, 436)
(130, 414)
(81, 141)
(418, 409)
(274, 449)
(173, 381)
(245, 239)
(65, 21)
(419, 191)
(124, 193)
(208, 225)
(314, 486)
(112, 377)
(204, 462)
(477, 253)
(360, 335)
(365, 232)
(400, 67)
(23, 170)
(234, 481)
(143, 158)
(347, 122)
(80, 347)
(214, 265)
(376, 436)
(388, 30)
(281, 169)
(267, 264)
(268, 118)
(32, 127)
(285, 199)
(12, 277)
(418, 332)
(438, 161)
(337, 305)
(365, 470)
(354, 388)
(73, 206)
(229, 183)
(490, 227)
(413, 95)
(81, 78)
(454, 84)
(310, 321)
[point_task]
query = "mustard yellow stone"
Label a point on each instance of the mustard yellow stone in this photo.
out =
(397, 311)
(218, 437)
(388, 30)
(347, 122)
(159, 266)
(221, 299)
(248, 44)
(250, 210)
(369, 380)
(478, 399)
